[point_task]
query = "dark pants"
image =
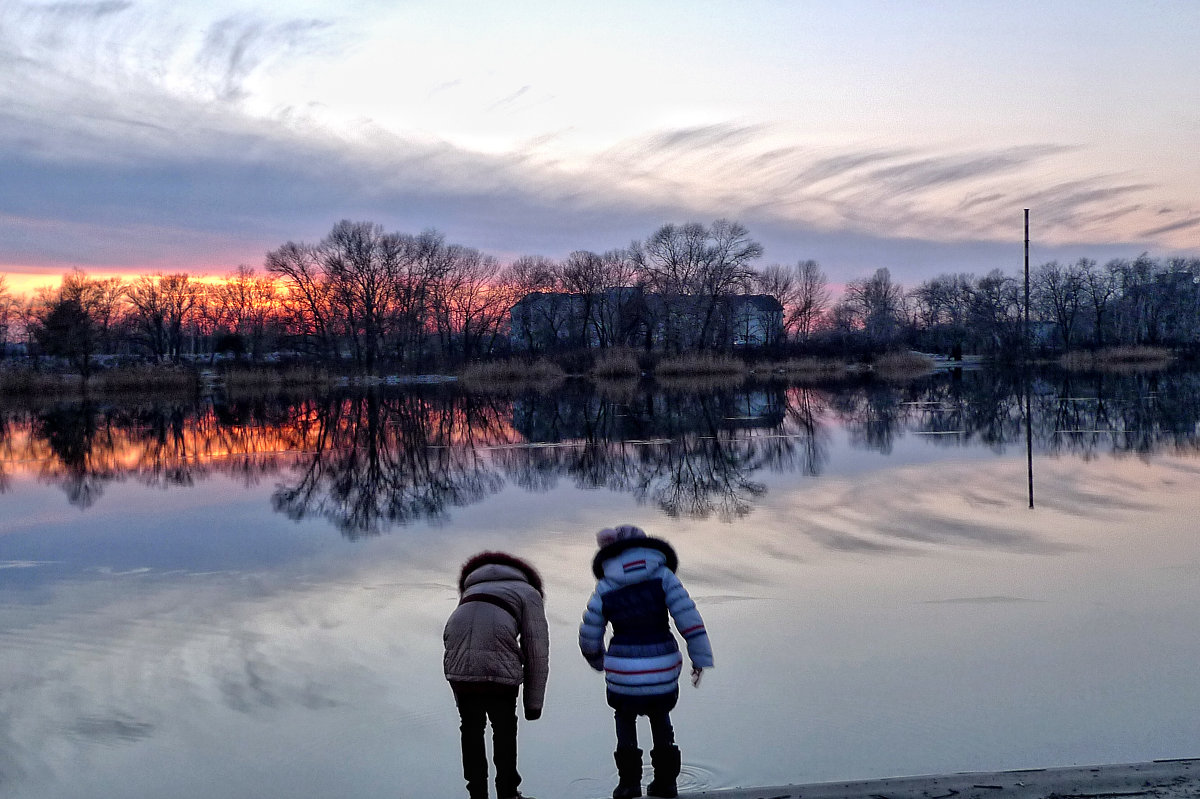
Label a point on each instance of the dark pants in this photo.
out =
(656, 708)
(477, 704)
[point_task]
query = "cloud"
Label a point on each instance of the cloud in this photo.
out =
(934, 172)
(1183, 224)
(84, 10)
(901, 192)
(698, 139)
(510, 99)
(236, 46)
(126, 139)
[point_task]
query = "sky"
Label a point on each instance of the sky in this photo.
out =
(140, 137)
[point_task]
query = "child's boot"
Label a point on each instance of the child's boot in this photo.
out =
(666, 760)
(629, 772)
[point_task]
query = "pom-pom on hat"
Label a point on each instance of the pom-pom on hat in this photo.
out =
(610, 535)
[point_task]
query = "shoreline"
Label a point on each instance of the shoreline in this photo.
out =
(1162, 779)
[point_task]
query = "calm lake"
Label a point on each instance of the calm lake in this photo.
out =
(228, 598)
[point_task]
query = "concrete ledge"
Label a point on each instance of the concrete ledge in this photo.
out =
(1162, 779)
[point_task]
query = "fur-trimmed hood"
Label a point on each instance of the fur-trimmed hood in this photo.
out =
(617, 547)
(483, 559)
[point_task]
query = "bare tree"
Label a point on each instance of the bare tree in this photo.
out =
(620, 319)
(877, 306)
(584, 275)
(8, 315)
(306, 303)
(162, 307)
(1178, 281)
(241, 307)
(67, 331)
(467, 310)
(1058, 295)
(1138, 309)
(940, 307)
(426, 262)
(102, 300)
(1100, 291)
(364, 268)
(802, 290)
(695, 269)
(995, 313)
(544, 311)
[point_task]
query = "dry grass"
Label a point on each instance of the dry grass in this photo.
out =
(617, 364)
(809, 369)
(130, 379)
(249, 379)
(539, 374)
(701, 383)
(27, 381)
(700, 364)
(139, 378)
(902, 365)
(1118, 359)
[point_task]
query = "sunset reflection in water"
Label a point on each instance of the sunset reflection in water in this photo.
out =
(250, 602)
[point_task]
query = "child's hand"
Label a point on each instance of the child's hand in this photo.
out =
(697, 673)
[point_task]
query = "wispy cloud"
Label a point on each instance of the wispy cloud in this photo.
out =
(236, 46)
(1183, 224)
(129, 135)
(934, 172)
(510, 99)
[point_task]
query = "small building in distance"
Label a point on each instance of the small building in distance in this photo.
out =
(632, 317)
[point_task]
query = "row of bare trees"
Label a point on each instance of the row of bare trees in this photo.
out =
(1143, 301)
(161, 317)
(368, 296)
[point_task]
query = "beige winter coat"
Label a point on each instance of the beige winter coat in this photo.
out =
(504, 639)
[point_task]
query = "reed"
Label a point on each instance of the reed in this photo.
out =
(699, 364)
(265, 378)
(810, 369)
(1118, 359)
(121, 380)
(902, 365)
(517, 372)
(27, 381)
(701, 383)
(617, 364)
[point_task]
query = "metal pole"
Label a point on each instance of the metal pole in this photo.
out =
(1026, 368)
(1029, 439)
(1027, 285)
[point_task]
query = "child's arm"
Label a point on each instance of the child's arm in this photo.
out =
(591, 632)
(535, 652)
(688, 622)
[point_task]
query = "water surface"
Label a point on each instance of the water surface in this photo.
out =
(245, 599)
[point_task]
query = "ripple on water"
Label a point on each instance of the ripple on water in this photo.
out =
(699, 777)
(692, 777)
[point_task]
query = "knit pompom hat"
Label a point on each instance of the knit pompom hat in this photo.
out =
(610, 535)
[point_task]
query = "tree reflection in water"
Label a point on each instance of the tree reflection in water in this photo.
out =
(71, 434)
(688, 454)
(376, 462)
(368, 462)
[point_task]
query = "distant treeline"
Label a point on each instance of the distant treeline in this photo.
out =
(365, 297)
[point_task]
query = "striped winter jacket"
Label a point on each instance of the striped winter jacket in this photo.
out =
(637, 589)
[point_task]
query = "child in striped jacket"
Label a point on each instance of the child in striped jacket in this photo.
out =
(636, 592)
